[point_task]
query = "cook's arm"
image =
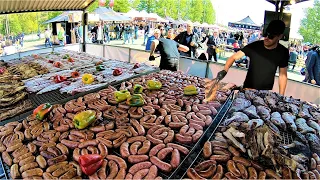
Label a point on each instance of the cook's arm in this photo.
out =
(153, 47)
(232, 59)
(282, 80)
(183, 48)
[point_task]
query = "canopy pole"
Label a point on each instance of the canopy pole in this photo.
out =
(84, 27)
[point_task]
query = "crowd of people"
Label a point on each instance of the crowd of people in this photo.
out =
(11, 42)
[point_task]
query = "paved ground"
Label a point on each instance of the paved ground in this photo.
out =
(137, 44)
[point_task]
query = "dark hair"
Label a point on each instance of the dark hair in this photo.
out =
(314, 47)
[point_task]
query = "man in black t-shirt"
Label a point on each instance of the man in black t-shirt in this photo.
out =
(265, 57)
(168, 50)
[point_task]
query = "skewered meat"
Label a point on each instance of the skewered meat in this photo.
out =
(277, 120)
(258, 101)
(303, 126)
(314, 112)
(271, 102)
(297, 147)
(241, 95)
(314, 143)
(281, 107)
(300, 137)
(314, 125)
(251, 111)
(239, 104)
(304, 111)
(294, 109)
(289, 119)
(12, 111)
(250, 94)
(237, 117)
(264, 112)
(254, 123)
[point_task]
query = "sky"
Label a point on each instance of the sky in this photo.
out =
(235, 10)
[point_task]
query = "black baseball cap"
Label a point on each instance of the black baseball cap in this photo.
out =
(276, 27)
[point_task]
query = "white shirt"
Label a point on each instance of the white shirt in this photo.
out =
(100, 33)
(47, 34)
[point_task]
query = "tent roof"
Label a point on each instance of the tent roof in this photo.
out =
(247, 21)
(16, 6)
(107, 14)
(62, 17)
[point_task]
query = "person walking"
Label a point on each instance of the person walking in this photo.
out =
(106, 30)
(293, 56)
(168, 50)
(211, 50)
(314, 67)
(146, 33)
(61, 35)
(47, 35)
(190, 39)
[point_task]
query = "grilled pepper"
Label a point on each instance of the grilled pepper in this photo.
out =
(59, 79)
(90, 163)
(42, 111)
(87, 78)
(117, 72)
(84, 119)
(190, 90)
(70, 59)
(136, 65)
(100, 68)
(121, 95)
(75, 74)
(135, 100)
(153, 84)
(137, 89)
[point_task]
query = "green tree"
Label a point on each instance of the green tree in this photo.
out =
(310, 25)
(134, 4)
(209, 15)
(121, 6)
(147, 5)
(196, 12)
(94, 6)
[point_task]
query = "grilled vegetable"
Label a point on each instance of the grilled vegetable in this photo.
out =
(190, 90)
(87, 78)
(137, 89)
(90, 163)
(42, 111)
(135, 100)
(100, 68)
(84, 119)
(121, 95)
(153, 85)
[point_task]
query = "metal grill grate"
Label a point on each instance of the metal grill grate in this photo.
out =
(286, 138)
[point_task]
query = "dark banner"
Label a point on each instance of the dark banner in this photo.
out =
(245, 26)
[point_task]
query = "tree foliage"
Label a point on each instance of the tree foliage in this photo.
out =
(194, 10)
(310, 25)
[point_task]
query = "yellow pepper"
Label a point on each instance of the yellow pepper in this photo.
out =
(153, 84)
(87, 78)
(121, 95)
(84, 119)
(190, 90)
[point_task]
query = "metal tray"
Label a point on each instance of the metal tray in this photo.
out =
(188, 160)
(55, 97)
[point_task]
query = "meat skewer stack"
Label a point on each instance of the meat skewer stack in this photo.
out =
(135, 142)
(251, 142)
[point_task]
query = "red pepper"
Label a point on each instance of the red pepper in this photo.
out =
(57, 64)
(2, 70)
(41, 111)
(136, 65)
(75, 74)
(59, 79)
(90, 163)
(117, 72)
(50, 61)
(70, 59)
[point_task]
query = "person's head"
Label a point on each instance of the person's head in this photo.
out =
(274, 33)
(162, 30)
(210, 32)
(215, 33)
(156, 33)
(170, 33)
(189, 27)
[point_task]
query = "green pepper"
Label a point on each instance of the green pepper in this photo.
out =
(41, 111)
(121, 95)
(135, 100)
(84, 119)
(137, 89)
(190, 90)
(100, 68)
(153, 84)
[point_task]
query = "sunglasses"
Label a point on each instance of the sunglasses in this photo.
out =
(161, 29)
(270, 36)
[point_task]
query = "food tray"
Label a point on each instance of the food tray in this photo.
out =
(193, 154)
(286, 138)
(55, 97)
(185, 159)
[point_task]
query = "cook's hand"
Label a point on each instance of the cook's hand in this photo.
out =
(192, 43)
(313, 81)
(213, 47)
(151, 58)
(221, 74)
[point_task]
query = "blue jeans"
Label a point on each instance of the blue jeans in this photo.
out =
(107, 37)
(136, 34)
(125, 37)
(48, 40)
(145, 38)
